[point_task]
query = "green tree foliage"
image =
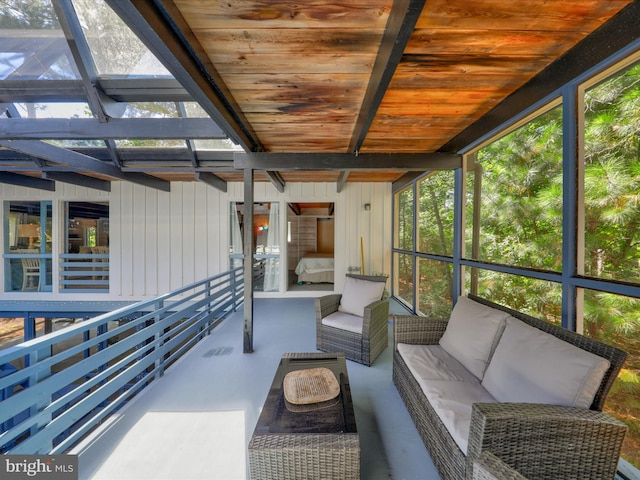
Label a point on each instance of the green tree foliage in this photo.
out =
(521, 223)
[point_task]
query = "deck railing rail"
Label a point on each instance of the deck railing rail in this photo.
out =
(56, 388)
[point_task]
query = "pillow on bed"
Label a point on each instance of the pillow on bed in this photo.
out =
(359, 293)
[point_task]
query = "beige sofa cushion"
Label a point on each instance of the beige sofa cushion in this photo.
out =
(448, 386)
(472, 333)
(432, 362)
(532, 366)
(359, 293)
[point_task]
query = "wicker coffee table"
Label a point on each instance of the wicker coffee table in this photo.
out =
(314, 441)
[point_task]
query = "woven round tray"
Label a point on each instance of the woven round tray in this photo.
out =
(311, 385)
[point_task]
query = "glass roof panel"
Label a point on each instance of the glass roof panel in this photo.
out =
(167, 143)
(115, 49)
(76, 143)
(194, 110)
(32, 45)
(54, 110)
(217, 144)
(150, 110)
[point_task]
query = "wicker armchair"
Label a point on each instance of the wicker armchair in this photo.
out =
(362, 347)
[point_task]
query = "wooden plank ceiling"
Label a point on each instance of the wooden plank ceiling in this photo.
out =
(363, 77)
(299, 72)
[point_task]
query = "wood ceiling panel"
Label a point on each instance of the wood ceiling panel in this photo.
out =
(510, 43)
(327, 176)
(309, 60)
(249, 63)
(532, 15)
(383, 176)
(464, 58)
(290, 41)
(273, 14)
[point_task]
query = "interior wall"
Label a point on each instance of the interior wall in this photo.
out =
(325, 238)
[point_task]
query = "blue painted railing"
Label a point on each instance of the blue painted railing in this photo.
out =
(54, 389)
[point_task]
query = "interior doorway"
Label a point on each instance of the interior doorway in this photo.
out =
(310, 245)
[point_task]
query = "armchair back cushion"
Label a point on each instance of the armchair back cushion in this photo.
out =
(472, 333)
(531, 366)
(359, 293)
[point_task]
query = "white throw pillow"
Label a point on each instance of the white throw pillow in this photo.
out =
(471, 334)
(532, 366)
(359, 293)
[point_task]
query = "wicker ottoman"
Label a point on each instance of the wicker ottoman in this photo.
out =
(317, 441)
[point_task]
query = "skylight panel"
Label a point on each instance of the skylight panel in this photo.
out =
(116, 51)
(54, 110)
(217, 144)
(32, 44)
(142, 142)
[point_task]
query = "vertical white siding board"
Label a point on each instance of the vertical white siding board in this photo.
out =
(218, 222)
(294, 190)
(175, 231)
(138, 241)
(387, 229)
(200, 255)
(151, 239)
(189, 232)
(164, 241)
(115, 247)
(126, 240)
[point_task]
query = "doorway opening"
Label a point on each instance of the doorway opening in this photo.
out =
(310, 246)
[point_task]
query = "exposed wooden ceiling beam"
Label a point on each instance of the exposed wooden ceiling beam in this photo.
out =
(212, 180)
(342, 180)
(157, 30)
(82, 162)
(113, 128)
(80, 180)
(346, 161)
(295, 208)
(27, 181)
(277, 180)
(402, 20)
(620, 31)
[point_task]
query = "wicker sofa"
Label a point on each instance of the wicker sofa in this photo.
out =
(491, 437)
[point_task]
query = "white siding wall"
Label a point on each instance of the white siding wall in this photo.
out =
(160, 241)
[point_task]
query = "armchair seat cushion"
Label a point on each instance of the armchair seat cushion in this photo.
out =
(344, 321)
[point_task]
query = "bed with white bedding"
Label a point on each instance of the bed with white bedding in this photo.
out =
(315, 268)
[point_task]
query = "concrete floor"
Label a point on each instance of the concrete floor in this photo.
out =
(196, 422)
